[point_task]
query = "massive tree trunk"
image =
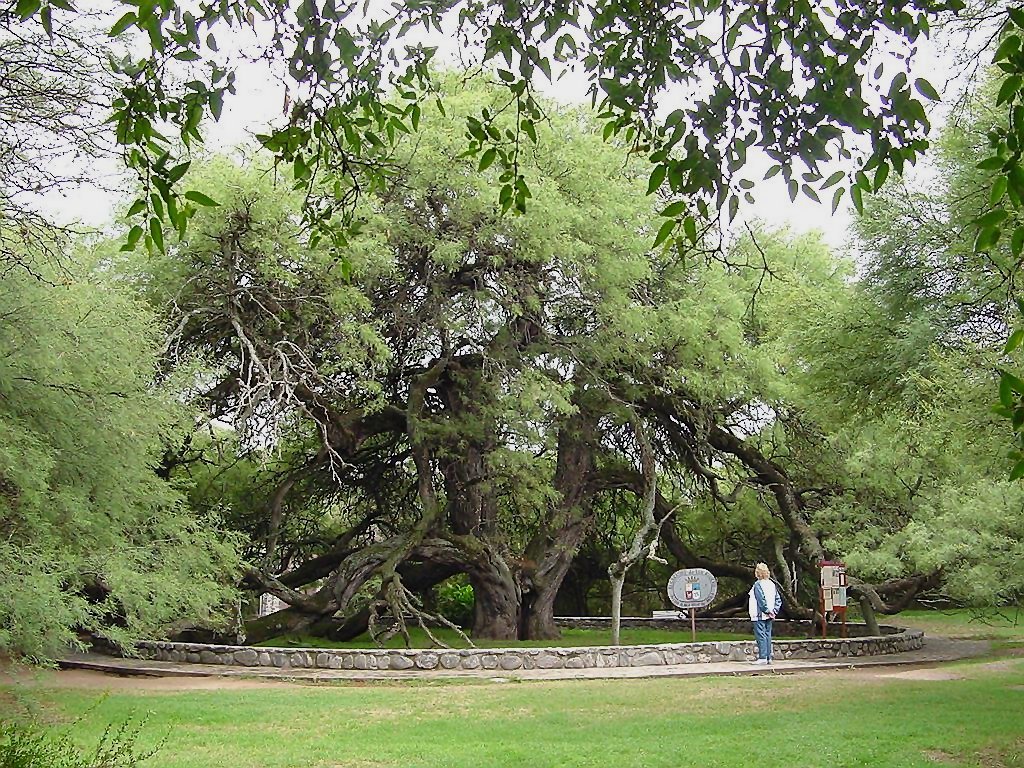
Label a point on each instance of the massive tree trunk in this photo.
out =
(539, 603)
(541, 584)
(471, 504)
(495, 604)
(549, 555)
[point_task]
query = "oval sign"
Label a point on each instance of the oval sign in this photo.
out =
(692, 588)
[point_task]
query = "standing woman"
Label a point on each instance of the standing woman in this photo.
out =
(764, 605)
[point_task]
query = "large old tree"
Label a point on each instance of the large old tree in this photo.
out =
(463, 400)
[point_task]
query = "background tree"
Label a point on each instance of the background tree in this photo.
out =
(893, 375)
(92, 539)
(55, 95)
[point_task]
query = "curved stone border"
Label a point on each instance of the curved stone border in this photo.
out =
(894, 641)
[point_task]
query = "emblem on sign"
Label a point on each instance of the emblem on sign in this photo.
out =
(692, 588)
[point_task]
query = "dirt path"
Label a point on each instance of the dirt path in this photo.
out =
(85, 679)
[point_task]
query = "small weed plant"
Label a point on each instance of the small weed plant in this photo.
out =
(29, 744)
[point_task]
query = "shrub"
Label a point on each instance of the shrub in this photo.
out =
(454, 600)
(31, 745)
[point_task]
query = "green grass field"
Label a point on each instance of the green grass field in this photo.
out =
(964, 714)
(570, 638)
(814, 720)
(1007, 625)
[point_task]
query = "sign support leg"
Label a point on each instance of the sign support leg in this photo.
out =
(693, 624)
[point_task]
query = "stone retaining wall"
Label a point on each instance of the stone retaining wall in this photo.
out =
(507, 659)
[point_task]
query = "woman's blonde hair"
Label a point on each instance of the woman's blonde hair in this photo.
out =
(761, 571)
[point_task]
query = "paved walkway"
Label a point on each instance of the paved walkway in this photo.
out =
(935, 651)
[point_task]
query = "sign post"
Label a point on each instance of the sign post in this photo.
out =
(690, 589)
(832, 593)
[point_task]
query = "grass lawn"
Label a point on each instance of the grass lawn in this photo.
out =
(827, 719)
(570, 638)
(964, 714)
(1007, 625)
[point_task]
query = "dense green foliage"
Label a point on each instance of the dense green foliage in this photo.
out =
(434, 388)
(906, 367)
(92, 538)
(465, 399)
(904, 448)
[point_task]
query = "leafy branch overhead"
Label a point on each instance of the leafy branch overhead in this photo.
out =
(1000, 220)
(692, 86)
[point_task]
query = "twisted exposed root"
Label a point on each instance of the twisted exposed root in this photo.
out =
(400, 602)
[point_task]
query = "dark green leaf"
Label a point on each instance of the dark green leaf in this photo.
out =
(858, 199)
(998, 190)
(137, 207)
(881, 174)
(487, 158)
(156, 232)
(674, 209)
(26, 8)
(216, 104)
(926, 89)
(664, 232)
(1014, 341)
(986, 239)
(837, 196)
(1017, 242)
(657, 177)
(122, 24)
(1012, 382)
(991, 163)
(1018, 470)
(690, 228)
(835, 178)
(1009, 46)
(134, 235)
(530, 130)
(991, 218)
(174, 175)
(1005, 392)
(200, 199)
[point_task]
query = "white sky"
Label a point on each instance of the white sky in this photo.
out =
(260, 100)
